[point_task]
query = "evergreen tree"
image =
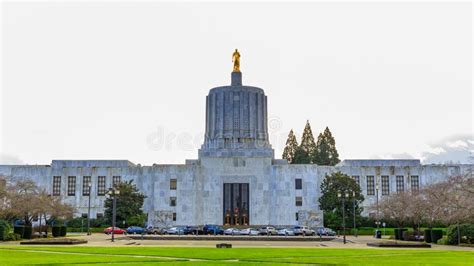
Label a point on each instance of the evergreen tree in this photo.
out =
(129, 204)
(330, 203)
(301, 156)
(326, 152)
(290, 148)
(307, 142)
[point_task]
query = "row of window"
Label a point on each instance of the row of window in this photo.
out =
(385, 180)
(86, 185)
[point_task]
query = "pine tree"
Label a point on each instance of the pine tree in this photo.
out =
(307, 141)
(301, 156)
(326, 152)
(290, 148)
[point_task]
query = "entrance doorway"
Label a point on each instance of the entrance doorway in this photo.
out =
(236, 204)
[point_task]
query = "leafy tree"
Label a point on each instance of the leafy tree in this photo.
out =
(331, 204)
(326, 152)
(290, 148)
(129, 203)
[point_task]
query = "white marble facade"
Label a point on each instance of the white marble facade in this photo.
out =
(235, 150)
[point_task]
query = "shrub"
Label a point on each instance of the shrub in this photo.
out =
(77, 222)
(443, 241)
(5, 229)
(399, 233)
(466, 231)
(63, 231)
(19, 229)
(56, 231)
(27, 232)
(12, 237)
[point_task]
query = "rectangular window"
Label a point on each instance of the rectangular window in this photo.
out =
(173, 184)
(84, 215)
(299, 201)
(71, 185)
(101, 185)
(415, 183)
(56, 185)
(172, 201)
(116, 180)
(86, 185)
(297, 216)
(356, 179)
(100, 215)
(400, 184)
(385, 185)
(174, 217)
(298, 183)
(370, 185)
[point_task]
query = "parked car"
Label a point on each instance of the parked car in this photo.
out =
(212, 229)
(154, 231)
(135, 230)
(285, 232)
(249, 232)
(116, 231)
(321, 231)
(192, 230)
(268, 230)
(330, 232)
(175, 230)
(303, 230)
(231, 231)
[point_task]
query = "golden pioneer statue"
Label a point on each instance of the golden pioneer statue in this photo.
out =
(236, 60)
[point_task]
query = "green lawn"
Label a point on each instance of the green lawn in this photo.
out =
(11, 255)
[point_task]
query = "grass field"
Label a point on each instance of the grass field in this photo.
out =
(21, 255)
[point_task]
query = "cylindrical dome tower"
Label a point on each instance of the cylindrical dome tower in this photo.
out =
(236, 121)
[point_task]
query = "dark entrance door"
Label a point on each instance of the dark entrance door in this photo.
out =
(236, 204)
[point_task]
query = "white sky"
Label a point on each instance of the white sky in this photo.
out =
(129, 80)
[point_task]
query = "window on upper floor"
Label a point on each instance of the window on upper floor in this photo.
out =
(299, 201)
(86, 185)
(174, 217)
(56, 185)
(173, 184)
(415, 183)
(71, 185)
(298, 183)
(370, 185)
(400, 183)
(356, 179)
(116, 181)
(172, 201)
(101, 186)
(385, 185)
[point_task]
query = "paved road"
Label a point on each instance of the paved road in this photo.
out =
(352, 242)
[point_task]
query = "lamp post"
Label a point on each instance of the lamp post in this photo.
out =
(113, 192)
(377, 200)
(354, 212)
(343, 196)
(89, 185)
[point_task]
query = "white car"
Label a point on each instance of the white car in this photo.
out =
(303, 230)
(231, 231)
(285, 232)
(268, 230)
(249, 232)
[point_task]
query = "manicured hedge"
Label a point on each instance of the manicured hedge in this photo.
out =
(435, 233)
(56, 231)
(398, 232)
(27, 232)
(19, 229)
(63, 231)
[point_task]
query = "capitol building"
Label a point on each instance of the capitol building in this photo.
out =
(236, 178)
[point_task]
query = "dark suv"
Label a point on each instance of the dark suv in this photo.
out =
(212, 229)
(192, 230)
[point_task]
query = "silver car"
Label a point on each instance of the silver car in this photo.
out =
(232, 231)
(249, 232)
(285, 232)
(268, 230)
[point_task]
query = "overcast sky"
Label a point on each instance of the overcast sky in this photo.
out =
(129, 80)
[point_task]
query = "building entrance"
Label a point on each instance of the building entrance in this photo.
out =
(236, 204)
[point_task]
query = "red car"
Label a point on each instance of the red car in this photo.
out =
(116, 230)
